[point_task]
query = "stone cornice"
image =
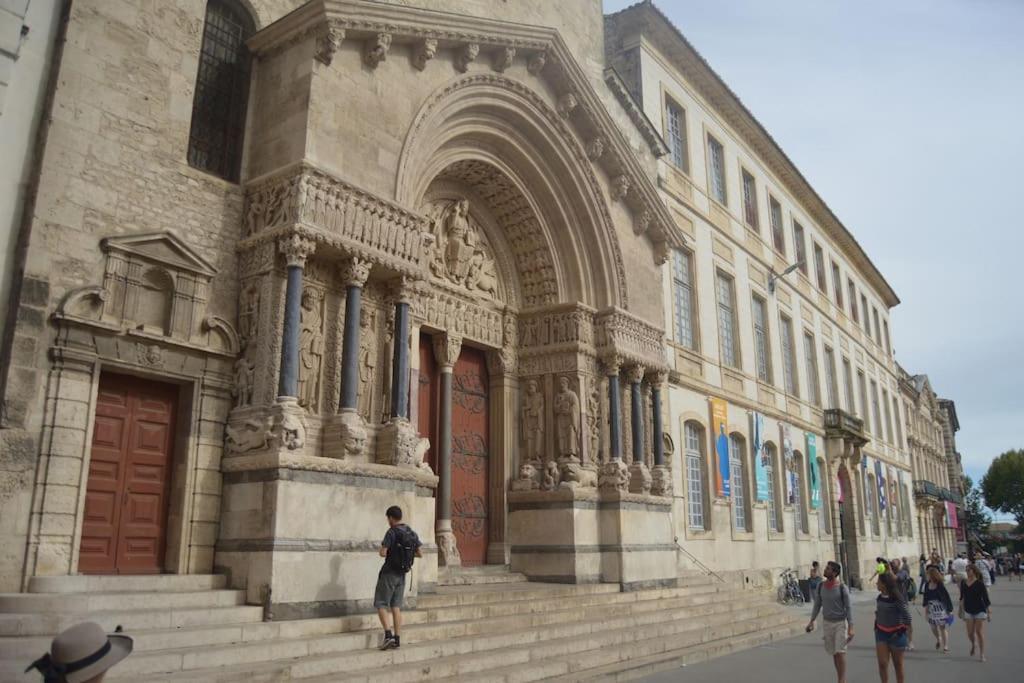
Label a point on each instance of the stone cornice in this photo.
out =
(359, 20)
(646, 19)
(635, 112)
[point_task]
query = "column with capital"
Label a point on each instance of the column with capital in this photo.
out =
(661, 475)
(639, 473)
(398, 442)
(614, 473)
(351, 429)
(446, 352)
(288, 415)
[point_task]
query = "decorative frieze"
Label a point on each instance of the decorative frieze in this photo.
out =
(565, 325)
(460, 316)
(622, 334)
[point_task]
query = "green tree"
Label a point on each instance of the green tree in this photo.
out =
(1003, 484)
(976, 520)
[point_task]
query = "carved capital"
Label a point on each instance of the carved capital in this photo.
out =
(566, 104)
(503, 58)
(537, 62)
(424, 52)
(620, 187)
(376, 49)
(404, 290)
(611, 364)
(447, 348)
(614, 476)
(354, 272)
(595, 148)
(466, 55)
(657, 378)
(328, 41)
(296, 249)
(501, 362)
(635, 373)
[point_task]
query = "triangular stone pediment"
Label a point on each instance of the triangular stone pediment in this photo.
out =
(161, 247)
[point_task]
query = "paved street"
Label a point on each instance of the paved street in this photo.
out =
(803, 658)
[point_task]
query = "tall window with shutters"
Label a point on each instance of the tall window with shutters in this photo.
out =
(221, 94)
(876, 409)
(775, 216)
(888, 415)
(762, 343)
(716, 170)
(750, 201)
(899, 422)
(694, 436)
(852, 288)
(773, 501)
(800, 245)
(811, 372)
(683, 301)
(837, 285)
(864, 414)
(831, 389)
(728, 340)
(851, 405)
(788, 355)
(675, 129)
(864, 312)
(799, 502)
(819, 269)
(737, 481)
(885, 331)
(878, 328)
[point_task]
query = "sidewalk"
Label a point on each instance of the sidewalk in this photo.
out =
(803, 659)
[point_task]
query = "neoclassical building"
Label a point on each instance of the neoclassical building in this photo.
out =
(516, 267)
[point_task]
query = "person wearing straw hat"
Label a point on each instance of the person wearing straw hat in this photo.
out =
(82, 654)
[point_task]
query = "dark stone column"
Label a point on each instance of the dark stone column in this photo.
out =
(400, 363)
(446, 351)
(614, 417)
(656, 425)
(354, 274)
(296, 250)
(636, 377)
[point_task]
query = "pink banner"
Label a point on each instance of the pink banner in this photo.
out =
(951, 518)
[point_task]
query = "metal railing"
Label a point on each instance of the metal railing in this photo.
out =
(923, 487)
(708, 571)
(842, 423)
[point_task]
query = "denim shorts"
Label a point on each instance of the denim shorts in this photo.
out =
(896, 640)
(390, 590)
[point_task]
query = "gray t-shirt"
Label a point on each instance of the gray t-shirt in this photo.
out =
(833, 602)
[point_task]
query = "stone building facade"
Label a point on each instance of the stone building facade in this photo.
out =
(294, 262)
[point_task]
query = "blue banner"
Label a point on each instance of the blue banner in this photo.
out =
(760, 458)
(880, 482)
(812, 460)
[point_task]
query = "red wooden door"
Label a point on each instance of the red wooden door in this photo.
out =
(470, 456)
(426, 399)
(126, 497)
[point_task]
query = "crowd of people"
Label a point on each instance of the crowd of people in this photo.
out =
(972, 574)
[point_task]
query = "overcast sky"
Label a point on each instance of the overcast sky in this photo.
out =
(907, 116)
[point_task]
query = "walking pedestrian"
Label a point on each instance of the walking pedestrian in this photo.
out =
(903, 587)
(975, 609)
(922, 570)
(978, 561)
(938, 607)
(399, 548)
(935, 559)
(892, 619)
(814, 578)
(832, 600)
(82, 654)
(958, 568)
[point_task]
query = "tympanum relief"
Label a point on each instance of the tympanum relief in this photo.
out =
(460, 254)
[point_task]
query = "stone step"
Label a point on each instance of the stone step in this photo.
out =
(87, 603)
(132, 620)
(593, 643)
(161, 583)
(348, 650)
(478, 576)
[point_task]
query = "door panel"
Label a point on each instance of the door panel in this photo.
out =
(126, 500)
(470, 445)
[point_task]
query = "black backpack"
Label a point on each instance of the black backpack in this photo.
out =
(402, 552)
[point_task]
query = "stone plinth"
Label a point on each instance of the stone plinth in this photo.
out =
(308, 529)
(637, 547)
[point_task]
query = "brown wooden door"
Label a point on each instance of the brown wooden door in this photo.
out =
(126, 497)
(470, 456)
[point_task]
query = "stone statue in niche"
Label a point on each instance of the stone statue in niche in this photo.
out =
(367, 360)
(459, 253)
(567, 420)
(249, 316)
(245, 371)
(594, 422)
(311, 351)
(533, 422)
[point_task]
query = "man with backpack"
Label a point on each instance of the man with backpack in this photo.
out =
(399, 548)
(832, 600)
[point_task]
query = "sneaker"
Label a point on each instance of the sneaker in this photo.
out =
(387, 643)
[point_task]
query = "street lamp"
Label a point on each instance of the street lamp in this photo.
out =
(773, 276)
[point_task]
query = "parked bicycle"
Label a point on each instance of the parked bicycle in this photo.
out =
(789, 590)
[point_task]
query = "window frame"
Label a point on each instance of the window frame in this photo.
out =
(716, 151)
(800, 247)
(864, 415)
(694, 459)
(831, 377)
(764, 348)
(751, 215)
(735, 358)
(819, 267)
(684, 138)
(738, 482)
(775, 522)
(811, 368)
(791, 381)
(691, 301)
(778, 226)
(837, 284)
(850, 390)
(852, 287)
(867, 315)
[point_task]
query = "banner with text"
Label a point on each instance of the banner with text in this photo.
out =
(719, 420)
(812, 459)
(788, 467)
(880, 483)
(760, 458)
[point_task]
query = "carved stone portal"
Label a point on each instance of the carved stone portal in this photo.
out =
(533, 422)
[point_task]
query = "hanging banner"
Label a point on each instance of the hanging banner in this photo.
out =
(951, 518)
(894, 495)
(880, 482)
(760, 458)
(788, 467)
(839, 489)
(812, 459)
(719, 419)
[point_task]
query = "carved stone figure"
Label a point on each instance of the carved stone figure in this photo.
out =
(567, 419)
(537, 62)
(482, 274)
(292, 431)
(252, 435)
(311, 351)
(661, 480)
(367, 361)
(245, 371)
(448, 550)
(551, 476)
(575, 475)
(466, 55)
(639, 478)
(424, 52)
(459, 241)
(533, 422)
(527, 480)
(614, 476)
(249, 316)
(504, 58)
(376, 49)
(352, 434)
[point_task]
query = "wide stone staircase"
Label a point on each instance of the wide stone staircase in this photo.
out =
(486, 624)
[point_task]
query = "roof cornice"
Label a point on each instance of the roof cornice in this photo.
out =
(648, 20)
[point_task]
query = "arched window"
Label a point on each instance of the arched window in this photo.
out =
(694, 449)
(872, 496)
(799, 502)
(738, 481)
(774, 522)
(222, 91)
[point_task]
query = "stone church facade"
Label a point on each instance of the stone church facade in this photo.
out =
(289, 263)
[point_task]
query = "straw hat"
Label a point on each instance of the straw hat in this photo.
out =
(82, 652)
